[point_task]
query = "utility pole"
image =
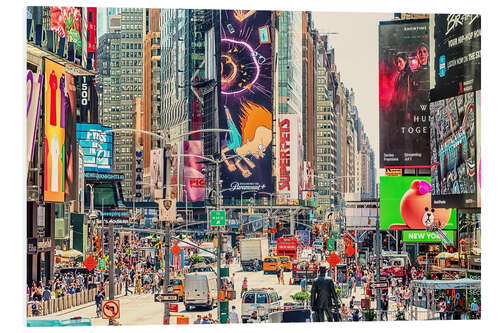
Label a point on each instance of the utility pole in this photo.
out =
(166, 272)
(377, 256)
(219, 239)
(111, 245)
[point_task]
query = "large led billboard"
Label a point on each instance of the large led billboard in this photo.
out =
(71, 150)
(453, 146)
(404, 93)
(405, 204)
(34, 86)
(54, 124)
(246, 101)
(97, 145)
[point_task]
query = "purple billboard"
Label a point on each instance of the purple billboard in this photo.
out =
(247, 100)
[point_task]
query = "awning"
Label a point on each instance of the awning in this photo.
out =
(447, 284)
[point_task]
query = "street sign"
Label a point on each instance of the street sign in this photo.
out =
(90, 263)
(218, 218)
(166, 298)
(111, 310)
(175, 250)
(379, 284)
(330, 244)
(102, 265)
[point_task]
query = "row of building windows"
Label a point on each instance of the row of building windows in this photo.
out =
(126, 54)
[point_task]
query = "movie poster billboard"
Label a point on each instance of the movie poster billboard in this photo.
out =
(405, 204)
(194, 179)
(288, 184)
(54, 124)
(97, 145)
(157, 173)
(457, 60)
(308, 175)
(71, 150)
(34, 86)
(246, 101)
(404, 93)
(454, 150)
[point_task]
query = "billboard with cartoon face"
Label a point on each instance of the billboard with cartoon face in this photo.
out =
(247, 100)
(405, 203)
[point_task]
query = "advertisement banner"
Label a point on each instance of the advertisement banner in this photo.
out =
(97, 145)
(288, 184)
(157, 172)
(34, 86)
(86, 99)
(478, 144)
(422, 236)
(247, 101)
(91, 38)
(54, 123)
(453, 152)
(173, 185)
(194, 179)
(405, 203)
(307, 193)
(403, 93)
(304, 237)
(457, 61)
(71, 179)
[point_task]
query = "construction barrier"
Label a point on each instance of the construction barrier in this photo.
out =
(69, 301)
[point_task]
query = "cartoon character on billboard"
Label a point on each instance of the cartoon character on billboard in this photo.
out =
(256, 128)
(416, 209)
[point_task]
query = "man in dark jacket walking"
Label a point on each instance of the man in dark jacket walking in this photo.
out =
(323, 295)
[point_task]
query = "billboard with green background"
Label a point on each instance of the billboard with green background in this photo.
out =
(405, 204)
(423, 236)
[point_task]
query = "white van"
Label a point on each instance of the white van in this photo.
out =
(200, 289)
(261, 300)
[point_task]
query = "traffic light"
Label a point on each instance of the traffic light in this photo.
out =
(324, 227)
(325, 243)
(96, 244)
(279, 225)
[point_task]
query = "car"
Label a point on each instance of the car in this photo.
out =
(318, 245)
(270, 265)
(178, 287)
(201, 268)
(286, 262)
(200, 290)
(262, 300)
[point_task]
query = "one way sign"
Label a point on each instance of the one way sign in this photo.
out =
(166, 298)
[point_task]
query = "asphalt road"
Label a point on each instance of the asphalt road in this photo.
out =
(142, 310)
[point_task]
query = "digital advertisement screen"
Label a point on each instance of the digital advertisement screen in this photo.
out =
(405, 204)
(404, 93)
(247, 101)
(97, 145)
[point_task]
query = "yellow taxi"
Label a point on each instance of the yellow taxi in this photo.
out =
(286, 262)
(177, 284)
(271, 265)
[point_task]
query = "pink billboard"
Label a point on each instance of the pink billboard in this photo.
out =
(194, 179)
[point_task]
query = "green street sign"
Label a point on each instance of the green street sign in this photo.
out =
(101, 265)
(330, 244)
(218, 218)
(417, 236)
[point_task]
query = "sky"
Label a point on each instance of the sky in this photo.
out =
(356, 57)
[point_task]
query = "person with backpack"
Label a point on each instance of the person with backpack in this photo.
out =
(99, 298)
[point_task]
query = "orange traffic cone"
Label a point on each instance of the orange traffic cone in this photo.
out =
(290, 281)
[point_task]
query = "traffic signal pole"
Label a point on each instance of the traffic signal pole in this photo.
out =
(111, 246)
(166, 272)
(219, 240)
(377, 256)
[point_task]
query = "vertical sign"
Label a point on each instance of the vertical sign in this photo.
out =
(71, 178)
(194, 179)
(156, 170)
(54, 122)
(91, 38)
(34, 85)
(288, 184)
(247, 100)
(404, 93)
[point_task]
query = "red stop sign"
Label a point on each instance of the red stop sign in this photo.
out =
(333, 259)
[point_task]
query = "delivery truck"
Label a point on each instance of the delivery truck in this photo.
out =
(251, 249)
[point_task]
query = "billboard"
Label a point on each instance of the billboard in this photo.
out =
(478, 146)
(304, 237)
(404, 93)
(54, 124)
(307, 193)
(34, 86)
(457, 60)
(71, 149)
(97, 145)
(91, 48)
(423, 236)
(86, 100)
(453, 151)
(289, 157)
(405, 203)
(247, 101)
(157, 172)
(194, 179)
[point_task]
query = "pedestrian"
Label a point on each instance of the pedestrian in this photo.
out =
(303, 284)
(385, 308)
(349, 286)
(198, 320)
(282, 274)
(205, 320)
(323, 296)
(474, 310)
(278, 274)
(253, 318)
(46, 294)
(449, 310)
(351, 303)
(355, 315)
(442, 309)
(233, 316)
(244, 286)
(232, 280)
(211, 320)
